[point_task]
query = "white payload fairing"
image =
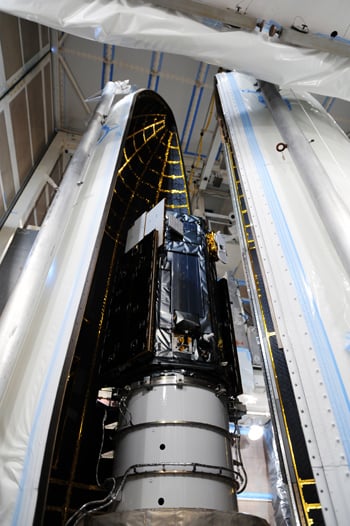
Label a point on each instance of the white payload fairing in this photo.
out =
(126, 303)
(128, 333)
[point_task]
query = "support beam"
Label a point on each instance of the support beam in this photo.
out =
(214, 148)
(24, 206)
(224, 15)
(308, 40)
(74, 83)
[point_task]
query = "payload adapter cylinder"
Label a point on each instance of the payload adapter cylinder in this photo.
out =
(170, 355)
(173, 442)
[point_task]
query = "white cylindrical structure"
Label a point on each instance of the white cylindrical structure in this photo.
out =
(172, 440)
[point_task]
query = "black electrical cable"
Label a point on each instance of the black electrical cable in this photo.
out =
(103, 503)
(101, 448)
(241, 472)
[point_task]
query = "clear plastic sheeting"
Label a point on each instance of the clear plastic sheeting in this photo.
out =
(280, 497)
(136, 25)
(175, 517)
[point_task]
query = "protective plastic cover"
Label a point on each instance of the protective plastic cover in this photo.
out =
(176, 517)
(136, 25)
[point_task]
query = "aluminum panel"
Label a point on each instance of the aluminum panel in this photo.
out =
(36, 114)
(10, 44)
(48, 101)
(18, 108)
(30, 39)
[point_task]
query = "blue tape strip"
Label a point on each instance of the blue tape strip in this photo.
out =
(244, 430)
(159, 70)
(329, 368)
(337, 38)
(245, 300)
(195, 154)
(218, 154)
(150, 76)
(197, 105)
(111, 71)
(330, 105)
(243, 350)
(103, 66)
(250, 495)
(189, 109)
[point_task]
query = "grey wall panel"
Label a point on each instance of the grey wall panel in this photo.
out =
(18, 109)
(41, 207)
(26, 106)
(30, 39)
(5, 163)
(2, 207)
(57, 172)
(31, 221)
(10, 44)
(48, 101)
(36, 114)
(45, 37)
(27, 129)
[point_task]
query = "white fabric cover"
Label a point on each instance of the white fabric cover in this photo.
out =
(175, 517)
(135, 24)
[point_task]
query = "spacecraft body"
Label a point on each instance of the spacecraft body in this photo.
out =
(174, 372)
(188, 325)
